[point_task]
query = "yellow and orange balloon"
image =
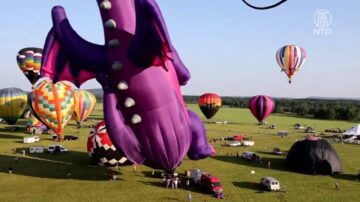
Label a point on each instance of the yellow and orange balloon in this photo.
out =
(53, 103)
(84, 105)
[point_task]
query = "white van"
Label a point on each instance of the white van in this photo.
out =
(37, 150)
(57, 148)
(31, 139)
(270, 183)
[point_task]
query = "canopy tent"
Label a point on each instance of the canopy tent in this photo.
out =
(355, 130)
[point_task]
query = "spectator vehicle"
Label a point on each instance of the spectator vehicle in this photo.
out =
(71, 137)
(235, 144)
(270, 183)
(57, 149)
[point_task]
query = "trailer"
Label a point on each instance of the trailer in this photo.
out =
(37, 150)
(33, 139)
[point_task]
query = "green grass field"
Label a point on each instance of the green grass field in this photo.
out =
(44, 178)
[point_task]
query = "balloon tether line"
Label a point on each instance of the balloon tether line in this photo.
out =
(266, 7)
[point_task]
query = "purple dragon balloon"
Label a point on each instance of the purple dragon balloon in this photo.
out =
(141, 73)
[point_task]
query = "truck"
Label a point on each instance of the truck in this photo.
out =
(37, 150)
(208, 182)
(33, 139)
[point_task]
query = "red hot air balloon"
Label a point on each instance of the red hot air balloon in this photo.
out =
(261, 106)
(209, 104)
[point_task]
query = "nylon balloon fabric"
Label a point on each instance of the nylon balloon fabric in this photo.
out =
(12, 104)
(261, 106)
(209, 104)
(290, 59)
(53, 103)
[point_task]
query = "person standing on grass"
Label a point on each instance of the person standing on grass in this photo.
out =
(189, 197)
(187, 183)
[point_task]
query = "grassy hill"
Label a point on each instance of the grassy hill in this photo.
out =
(43, 178)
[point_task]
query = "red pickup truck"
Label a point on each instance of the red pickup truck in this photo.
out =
(211, 183)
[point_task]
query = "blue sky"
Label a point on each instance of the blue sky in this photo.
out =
(228, 47)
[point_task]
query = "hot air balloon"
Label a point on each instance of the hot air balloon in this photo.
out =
(84, 104)
(261, 107)
(101, 150)
(209, 104)
(12, 104)
(29, 61)
(290, 58)
(53, 103)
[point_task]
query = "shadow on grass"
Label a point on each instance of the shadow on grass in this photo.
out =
(53, 169)
(344, 176)
(155, 184)
(276, 163)
(20, 129)
(271, 153)
(6, 136)
(250, 185)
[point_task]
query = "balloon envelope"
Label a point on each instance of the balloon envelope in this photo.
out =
(261, 106)
(101, 150)
(29, 61)
(53, 104)
(84, 104)
(290, 58)
(12, 104)
(209, 104)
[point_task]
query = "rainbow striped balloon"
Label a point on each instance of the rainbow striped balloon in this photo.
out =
(53, 104)
(261, 106)
(209, 104)
(290, 58)
(29, 61)
(84, 105)
(12, 104)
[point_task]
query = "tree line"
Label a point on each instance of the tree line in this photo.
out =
(330, 109)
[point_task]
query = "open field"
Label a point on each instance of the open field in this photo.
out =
(44, 178)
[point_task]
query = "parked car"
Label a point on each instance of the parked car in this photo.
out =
(248, 143)
(235, 144)
(270, 183)
(273, 126)
(298, 126)
(71, 137)
(250, 156)
(310, 130)
(57, 149)
(278, 151)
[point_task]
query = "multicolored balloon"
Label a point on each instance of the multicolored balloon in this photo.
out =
(261, 106)
(29, 61)
(84, 105)
(101, 150)
(12, 104)
(53, 103)
(209, 104)
(290, 58)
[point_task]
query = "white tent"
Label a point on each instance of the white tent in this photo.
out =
(355, 130)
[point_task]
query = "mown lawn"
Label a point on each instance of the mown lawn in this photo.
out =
(43, 178)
